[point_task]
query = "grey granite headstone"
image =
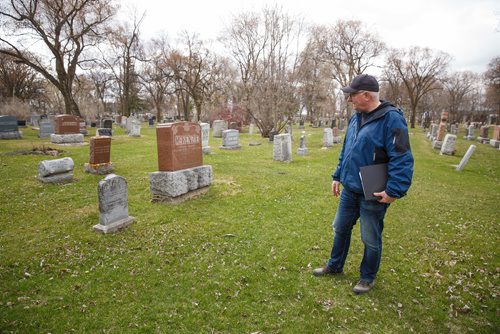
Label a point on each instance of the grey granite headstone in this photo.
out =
(56, 171)
(230, 140)
(9, 128)
(327, 137)
(135, 128)
(104, 132)
(302, 150)
(217, 127)
(113, 204)
(448, 146)
(466, 157)
(205, 135)
(46, 129)
(282, 148)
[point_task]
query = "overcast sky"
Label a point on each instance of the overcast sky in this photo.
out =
(469, 30)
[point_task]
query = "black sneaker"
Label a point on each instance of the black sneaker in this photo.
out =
(326, 270)
(363, 287)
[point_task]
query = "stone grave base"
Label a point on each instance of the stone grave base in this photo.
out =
(254, 144)
(114, 227)
(483, 140)
(436, 144)
(101, 169)
(302, 151)
(11, 135)
(469, 137)
(237, 147)
(180, 185)
(495, 143)
(57, 178)
(179, 199)
(66, 139)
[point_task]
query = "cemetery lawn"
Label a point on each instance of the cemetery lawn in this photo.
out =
(239, 259)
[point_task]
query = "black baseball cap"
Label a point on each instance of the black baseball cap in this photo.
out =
(362, 82)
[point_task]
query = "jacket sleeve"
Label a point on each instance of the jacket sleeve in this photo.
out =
(400, 165)
(336, 173)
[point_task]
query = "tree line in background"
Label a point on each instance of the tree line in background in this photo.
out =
(74, 57)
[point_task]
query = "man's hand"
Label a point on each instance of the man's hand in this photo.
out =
(385, 198)
(336, 188)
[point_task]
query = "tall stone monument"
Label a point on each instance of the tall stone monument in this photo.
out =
(181, 174)
(438, 141)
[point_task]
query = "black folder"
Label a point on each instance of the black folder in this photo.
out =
(373, 180)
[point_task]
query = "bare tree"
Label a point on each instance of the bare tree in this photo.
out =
(349, 48)
(101, 80)
(458, 86)
(419, 69)
(64, 28)
(18, 80)
(265, 49)
(121, 59)
(492, 78)
(156, 76)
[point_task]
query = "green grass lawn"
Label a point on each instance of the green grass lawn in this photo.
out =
(239, 259)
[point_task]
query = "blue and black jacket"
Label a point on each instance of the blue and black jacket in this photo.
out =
(378, 137)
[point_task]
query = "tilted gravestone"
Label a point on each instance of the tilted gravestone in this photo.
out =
(181, 174)
(466, 157)
(113, 204)
(56, 171)
(9, 128)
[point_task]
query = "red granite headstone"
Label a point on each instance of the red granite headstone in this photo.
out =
(100, 150)
(67, 124)
(179, 146)
(496, 133)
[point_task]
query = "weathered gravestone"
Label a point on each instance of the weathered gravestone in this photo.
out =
(438, 141)
(483, 137)
(495, 141)
(46, 128)
(327, 138)
(67, 130)
(230, 140)
(100, 153)
(466, 157)
(448, 146)
(217, 127)
(433, 133)
(336, 136)
(108, 124)
(135, 128)
(9, 128)
(302, 150)
(104, 132)
(113, 204)
(56, 171)
(181, 174)
(282, 148)
(251, 128)
(470, 133)
(205, 135)
(151, 122)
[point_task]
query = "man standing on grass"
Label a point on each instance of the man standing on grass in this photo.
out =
(377, 133)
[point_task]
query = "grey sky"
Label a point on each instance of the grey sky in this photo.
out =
(469, 30)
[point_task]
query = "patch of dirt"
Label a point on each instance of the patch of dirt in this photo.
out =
(40, 150)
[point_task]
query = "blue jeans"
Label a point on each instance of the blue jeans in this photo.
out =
(371, 213)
